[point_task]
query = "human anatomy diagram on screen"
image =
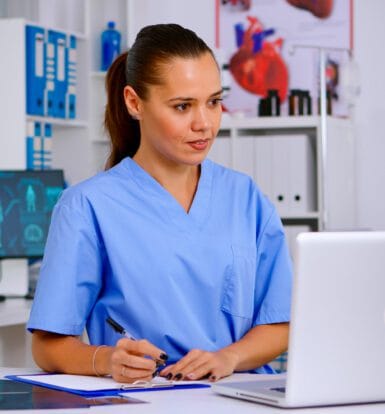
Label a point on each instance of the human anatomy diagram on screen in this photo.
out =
(262, 45)
(25, 208)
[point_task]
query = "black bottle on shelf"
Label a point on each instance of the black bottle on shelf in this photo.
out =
(305, 105)
(263, 109)
(294, 102)
(270, 105)
(274, 102)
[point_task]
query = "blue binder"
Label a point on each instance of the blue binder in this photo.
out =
(50, 74)
(71, 77)
(56, 98)
(35, 69)
(29, 144)
(46, 153)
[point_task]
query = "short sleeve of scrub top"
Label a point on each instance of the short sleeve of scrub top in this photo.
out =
(120, 245)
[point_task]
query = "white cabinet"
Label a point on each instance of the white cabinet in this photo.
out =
(309, 178)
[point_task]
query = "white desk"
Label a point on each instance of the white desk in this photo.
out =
(202, 401)
(15, 342)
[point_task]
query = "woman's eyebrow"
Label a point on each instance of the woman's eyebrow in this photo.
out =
(187, 98)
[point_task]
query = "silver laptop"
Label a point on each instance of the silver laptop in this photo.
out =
(337, 331)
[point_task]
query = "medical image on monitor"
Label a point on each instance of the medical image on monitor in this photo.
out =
(27, 199)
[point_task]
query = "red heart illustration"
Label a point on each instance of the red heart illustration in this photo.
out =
(257, 66)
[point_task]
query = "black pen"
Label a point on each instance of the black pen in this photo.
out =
(119, 329)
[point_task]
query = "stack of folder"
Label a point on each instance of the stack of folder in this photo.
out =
(51, 72)
(39, 145)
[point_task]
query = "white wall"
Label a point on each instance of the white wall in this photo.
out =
(197, 15)
(369, 29)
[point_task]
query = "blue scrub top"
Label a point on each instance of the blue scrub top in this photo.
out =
(120, 245)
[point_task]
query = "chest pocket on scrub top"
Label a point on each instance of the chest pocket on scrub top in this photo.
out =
(239, 283)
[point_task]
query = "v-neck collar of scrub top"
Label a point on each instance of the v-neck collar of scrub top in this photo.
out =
(200, 207)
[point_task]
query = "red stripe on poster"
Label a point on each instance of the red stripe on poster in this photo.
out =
(352, 25)
(217, 11)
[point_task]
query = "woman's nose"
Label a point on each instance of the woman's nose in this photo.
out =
(201, 120)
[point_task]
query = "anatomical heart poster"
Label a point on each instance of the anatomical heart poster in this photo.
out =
(274, 45)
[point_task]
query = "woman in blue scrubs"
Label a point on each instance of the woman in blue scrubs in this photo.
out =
(188, 256)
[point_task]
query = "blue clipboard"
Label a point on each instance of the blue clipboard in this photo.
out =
(38, 379)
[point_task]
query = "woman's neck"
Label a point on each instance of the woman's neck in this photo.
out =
(181, 181)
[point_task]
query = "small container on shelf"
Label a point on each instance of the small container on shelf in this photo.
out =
(300, 102)
(110, 43)
(271, 105)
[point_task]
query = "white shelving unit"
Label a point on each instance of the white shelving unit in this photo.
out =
(333, 195)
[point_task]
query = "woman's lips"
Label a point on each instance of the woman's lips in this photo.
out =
(199, 145)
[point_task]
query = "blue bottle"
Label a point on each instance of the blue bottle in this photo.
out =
(110, 45)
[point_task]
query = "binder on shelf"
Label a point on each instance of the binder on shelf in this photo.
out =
(71, 77)
(47, 147)
(220, 152)
(57, 97)
(263, 148)
(30, 144)
(302, 198)
(39, 146)
(35, 68)
(281, 174)
(51, 75)
(291, 233)
(244, 155)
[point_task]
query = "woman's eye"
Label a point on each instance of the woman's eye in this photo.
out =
(216, 101)
(181, 107)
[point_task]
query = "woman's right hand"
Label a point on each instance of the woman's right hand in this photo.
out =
(131, 361)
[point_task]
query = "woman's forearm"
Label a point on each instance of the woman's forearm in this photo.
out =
(259, 346)
(68, 354)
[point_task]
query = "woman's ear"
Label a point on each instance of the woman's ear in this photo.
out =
(132, 101)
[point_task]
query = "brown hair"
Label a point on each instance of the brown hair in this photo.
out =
(140, 67)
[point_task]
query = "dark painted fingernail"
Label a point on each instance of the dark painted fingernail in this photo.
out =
(155, 374)
(169, 376)
(213, 378)
(164, 357)
(178, 376)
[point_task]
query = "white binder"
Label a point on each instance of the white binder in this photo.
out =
(281, 174)
(263, 147)
(301, 172)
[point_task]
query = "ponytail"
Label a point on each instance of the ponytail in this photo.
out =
(123, 130)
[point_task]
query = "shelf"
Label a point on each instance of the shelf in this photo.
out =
(75, 123)
(76, 33)
(98, 74)
(279, 122)
(304, 216)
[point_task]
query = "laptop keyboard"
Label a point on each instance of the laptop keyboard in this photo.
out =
(279, 389)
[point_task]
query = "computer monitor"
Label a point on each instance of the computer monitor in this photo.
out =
(27, 198)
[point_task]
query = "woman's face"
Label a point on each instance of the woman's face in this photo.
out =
(180, 118)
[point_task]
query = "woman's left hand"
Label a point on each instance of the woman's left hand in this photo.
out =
(198, 364)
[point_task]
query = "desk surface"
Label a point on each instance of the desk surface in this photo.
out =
(203, 401)
(14, 311)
